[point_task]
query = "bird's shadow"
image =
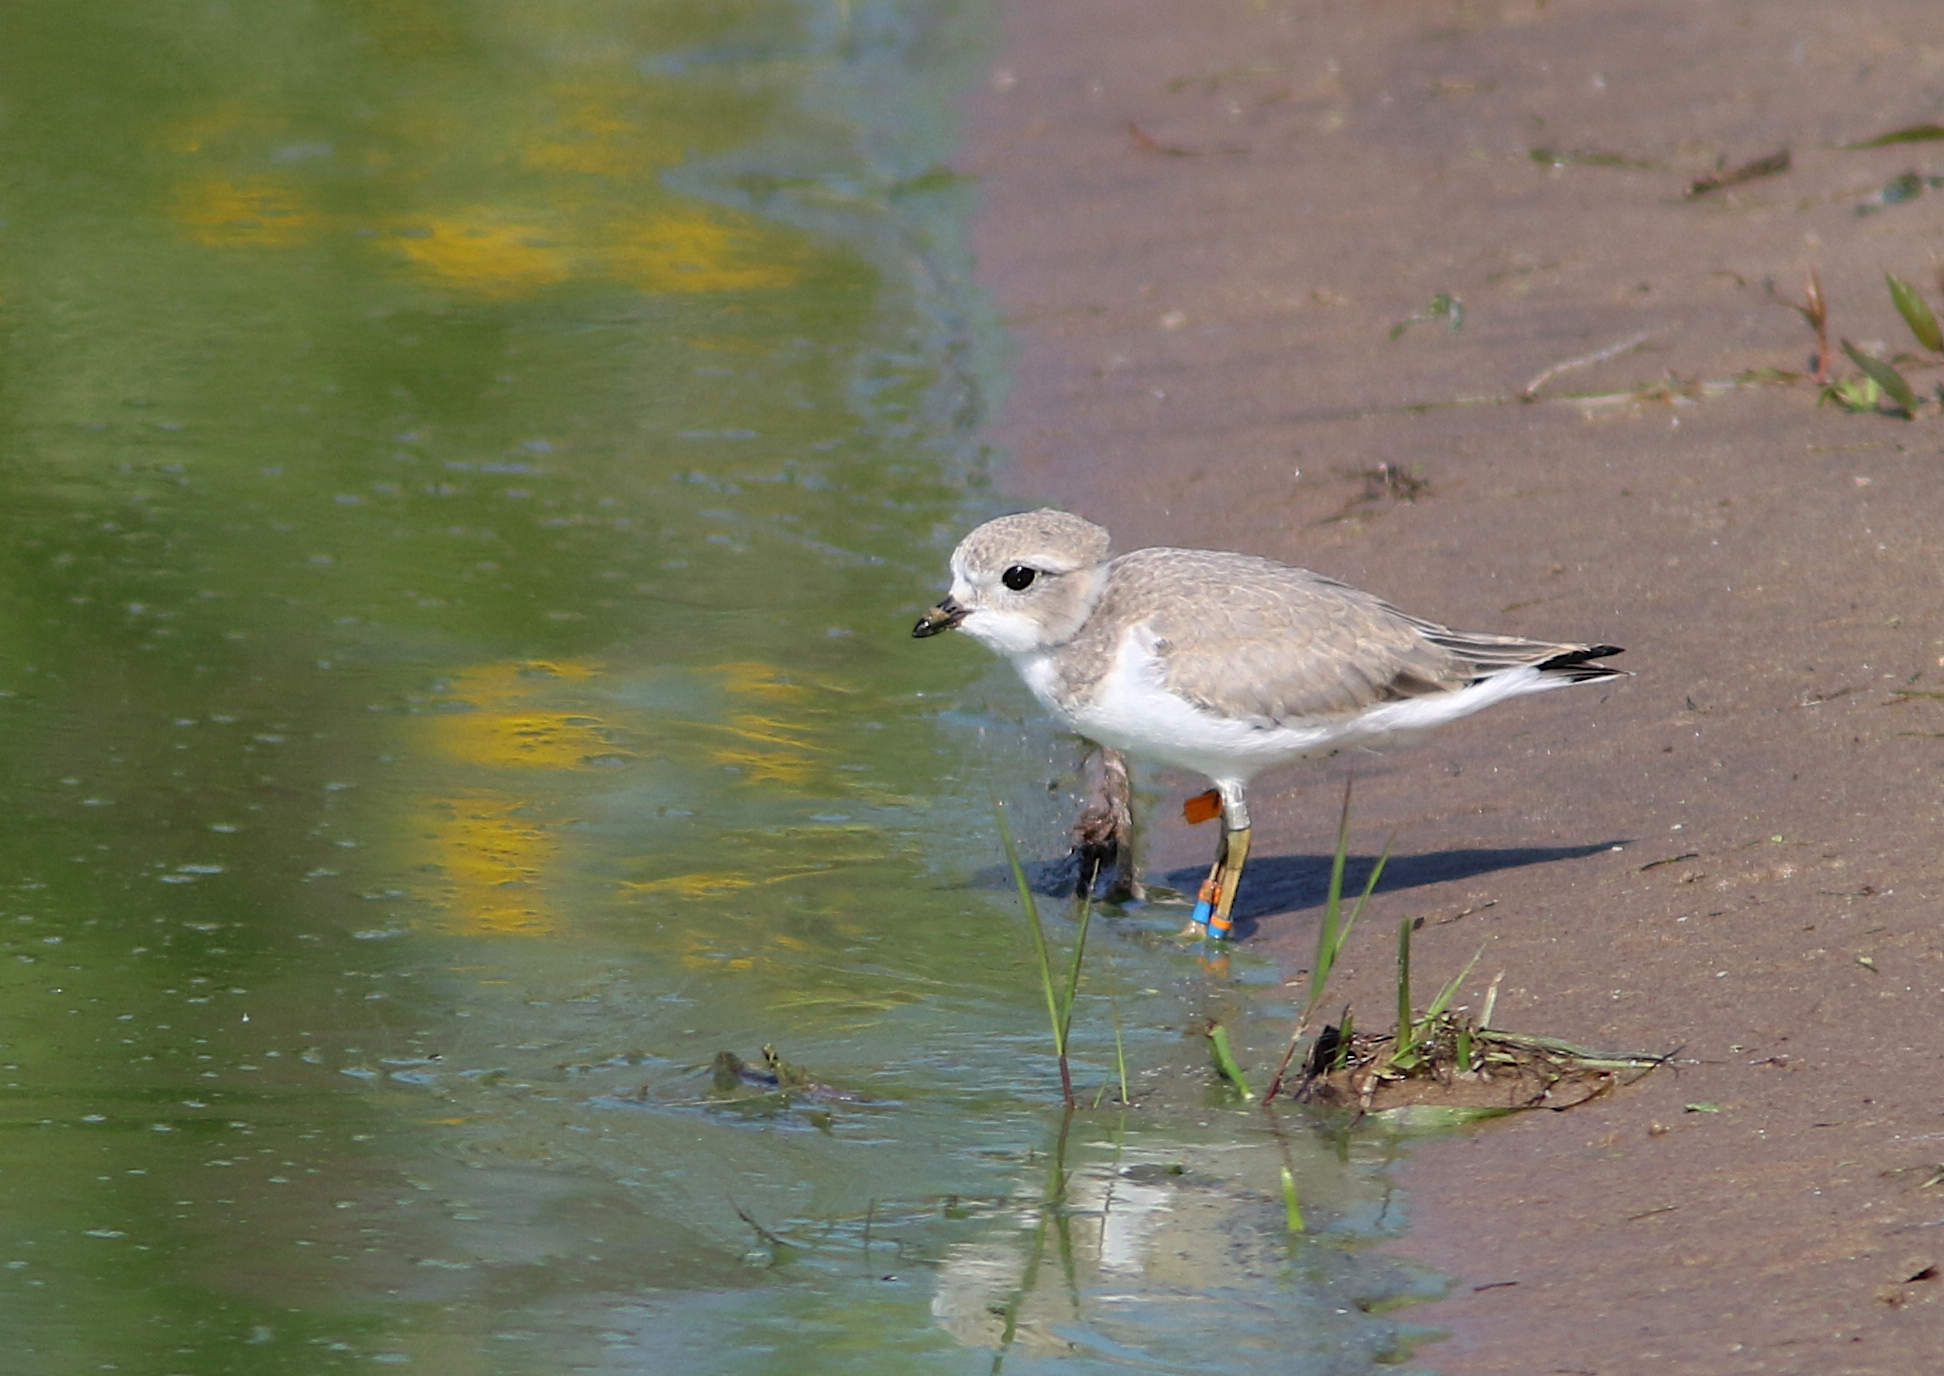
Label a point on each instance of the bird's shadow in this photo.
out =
(1291, 883)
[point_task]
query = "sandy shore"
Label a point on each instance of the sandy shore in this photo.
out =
(1203, 223)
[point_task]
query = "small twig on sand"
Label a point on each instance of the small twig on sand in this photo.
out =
(1530, 391)
(1815, 310)
(1772, 166)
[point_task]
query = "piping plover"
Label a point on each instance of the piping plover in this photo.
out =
(1226, 664)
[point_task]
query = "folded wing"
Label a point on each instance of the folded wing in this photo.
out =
(1253, 639)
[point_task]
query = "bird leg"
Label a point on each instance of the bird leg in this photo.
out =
(1217, 896)
(1235, 851)
(1104, 837)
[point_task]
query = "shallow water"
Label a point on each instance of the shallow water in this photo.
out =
(470, 471)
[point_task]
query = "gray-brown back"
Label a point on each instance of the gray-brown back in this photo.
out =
(1252, 639)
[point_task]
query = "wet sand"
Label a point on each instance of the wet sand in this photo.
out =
(1202, 224)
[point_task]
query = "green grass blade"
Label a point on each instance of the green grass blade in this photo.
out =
(1292, 1207)
(1370, 887)
(1491, 1002)
(1332, 932)
(1883, 375)
(1916, 313)
(1406, 1039)
(1916, 133)
(1113, 1007)
(1120, 1060)
(1328, 940)
(1225, 1059)
(1039, 944)
(1574, 1052)
(1073, 972)
(1446, 994)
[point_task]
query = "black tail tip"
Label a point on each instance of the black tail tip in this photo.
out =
(1579, 663)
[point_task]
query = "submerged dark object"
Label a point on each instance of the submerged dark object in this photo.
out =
(774, 1076)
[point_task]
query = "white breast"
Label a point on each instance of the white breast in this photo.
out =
(1130, 709)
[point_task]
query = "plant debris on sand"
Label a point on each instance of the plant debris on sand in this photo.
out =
(1456, 1065)
(1439, 1064)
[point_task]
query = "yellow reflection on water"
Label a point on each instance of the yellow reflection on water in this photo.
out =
(495, 253)
(594, 132)
(505, 730)
(253, 211)
(492, 830)
(479, 250)
(804, 879)
(541, 186)
(761, 746)
(754, 678)
(492, 860)
(509, 765)
(694, 251)
(493, 840)
(761, 866)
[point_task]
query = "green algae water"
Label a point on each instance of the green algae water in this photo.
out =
(470, 468)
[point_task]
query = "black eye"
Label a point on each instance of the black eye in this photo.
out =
(1019, 577)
